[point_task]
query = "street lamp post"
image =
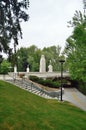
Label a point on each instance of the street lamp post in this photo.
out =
(1, 59)
(61, 61)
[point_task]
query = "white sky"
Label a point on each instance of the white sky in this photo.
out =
(47, 24)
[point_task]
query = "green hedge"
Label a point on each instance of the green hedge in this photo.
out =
(46, 82)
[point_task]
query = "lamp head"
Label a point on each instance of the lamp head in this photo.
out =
(61, 61)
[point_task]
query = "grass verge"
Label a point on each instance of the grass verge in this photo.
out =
(21, 110)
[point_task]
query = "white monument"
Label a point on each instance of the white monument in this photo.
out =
(42, 64)
(15, 72)
(15, 69)
(27, 70)
(50, 68)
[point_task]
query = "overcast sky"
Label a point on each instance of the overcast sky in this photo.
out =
(47, 24)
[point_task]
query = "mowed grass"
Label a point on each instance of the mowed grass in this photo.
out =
(21, 110)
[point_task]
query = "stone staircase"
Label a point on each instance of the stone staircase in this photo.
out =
(31, 87)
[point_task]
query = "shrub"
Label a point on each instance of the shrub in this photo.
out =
(46, 82)
(4, 67)
(34, 78)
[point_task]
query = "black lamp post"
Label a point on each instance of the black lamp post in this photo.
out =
(61, 61)
(1, 59)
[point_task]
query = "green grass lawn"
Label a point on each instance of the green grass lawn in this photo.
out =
(21, 110)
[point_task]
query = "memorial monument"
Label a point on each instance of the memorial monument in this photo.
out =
(42, 64)
(15, 69)
(27, 70)
(50, 67)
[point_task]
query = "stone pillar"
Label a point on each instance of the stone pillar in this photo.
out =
(42, 64)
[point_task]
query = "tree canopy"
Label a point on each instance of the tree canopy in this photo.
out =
(32, 55)
(76, 48)
(12, 13)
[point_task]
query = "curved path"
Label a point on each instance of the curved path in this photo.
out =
(75, 97)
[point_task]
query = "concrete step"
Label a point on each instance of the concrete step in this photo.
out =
(33, 89)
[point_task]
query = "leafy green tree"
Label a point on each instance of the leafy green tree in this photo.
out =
(22, 56)
(33, 54)
(28, 56)
(5, 67)
(12, 12)
(52, 54)
(76, 48)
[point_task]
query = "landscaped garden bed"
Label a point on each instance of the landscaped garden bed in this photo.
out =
(52, 82)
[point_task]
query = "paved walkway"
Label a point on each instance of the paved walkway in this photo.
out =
(72, 95)
(4, 77)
